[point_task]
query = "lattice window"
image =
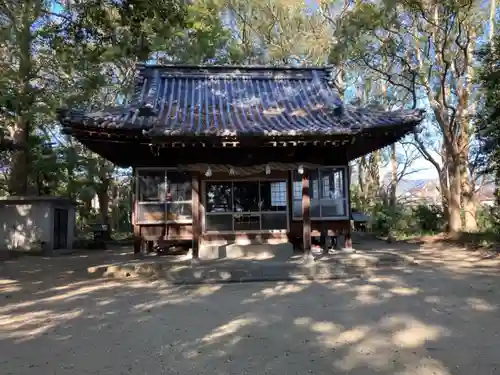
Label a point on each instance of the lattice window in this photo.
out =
(278, 193)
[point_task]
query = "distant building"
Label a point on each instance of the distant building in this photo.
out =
(427, 192)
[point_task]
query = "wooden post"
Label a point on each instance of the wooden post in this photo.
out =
(136, 228)
(294, 237)
(347, 237)
(348, 240)
(306, 216)
(195, 196)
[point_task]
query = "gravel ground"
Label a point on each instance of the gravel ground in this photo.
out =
(439, 318)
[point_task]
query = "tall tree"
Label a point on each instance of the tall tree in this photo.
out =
(430, 44)
(54, 51)
(488, 118)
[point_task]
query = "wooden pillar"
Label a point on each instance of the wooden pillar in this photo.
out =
(348, 240)
(306, 213)
(195, 195)
(347, 237)
(137, 239)
(136, 228)
(293, 237)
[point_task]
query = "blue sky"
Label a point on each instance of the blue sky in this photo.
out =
(426, 168)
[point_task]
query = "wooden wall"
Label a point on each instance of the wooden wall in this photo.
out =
(184, 232)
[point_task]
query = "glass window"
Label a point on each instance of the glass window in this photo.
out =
(246, 196)
(274, 220)
(151, 185)
(216, 223)
(150, 212)
(246, 221)
(333, 199)
(178, 211)
(314, 184)
(314, 191)
(164, 195)
(219, 197)
(327, 193)
(297, 188)
(246, 205)
(178, 187)
(273, 196)
(314, 194)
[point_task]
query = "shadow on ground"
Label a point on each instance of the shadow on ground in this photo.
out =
(439, 318)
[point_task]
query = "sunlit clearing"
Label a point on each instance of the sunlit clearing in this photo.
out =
(432, 299)
(401, 291)
(303, 321)
(71, 286)
(353, 335)
(411, 333)
(385, 279)
(84, 290)
(425, 366)
(279, 290)
(228, 329)
(368, 294)
(479, 304)
(378, 346)
(30, 325)
(169, 298)
(9, 286)
(325, 327)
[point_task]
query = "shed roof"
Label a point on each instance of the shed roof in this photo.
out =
(233, 101)
(359, 217)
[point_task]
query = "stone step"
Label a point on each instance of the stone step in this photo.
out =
(352, 265)
(281, 251)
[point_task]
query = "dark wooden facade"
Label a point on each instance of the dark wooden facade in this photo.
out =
(298, 230)
(239, 121)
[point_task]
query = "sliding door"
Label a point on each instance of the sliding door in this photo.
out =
(242, 206)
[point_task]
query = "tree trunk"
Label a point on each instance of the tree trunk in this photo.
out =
(116, 207)
(468, 189)
(18, 181)
(363, 183)
(455, 220)
(445, 197)
(394, 176)
(492, 14)
(102, 196)
(470, 210)
(374, 175)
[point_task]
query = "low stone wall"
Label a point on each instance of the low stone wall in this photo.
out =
(187, 272)
(281, 251)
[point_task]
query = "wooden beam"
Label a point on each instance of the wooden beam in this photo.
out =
(306, 217)
(137, 238)
(293, 236)
(347, 237)
(196, 195)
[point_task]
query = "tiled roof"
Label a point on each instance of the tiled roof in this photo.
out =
(226, 101)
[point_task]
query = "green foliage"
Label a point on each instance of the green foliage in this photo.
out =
(407, 221)
(383, 218)
(488, 118)
(428, 218)
(485, 221)
(402, 220)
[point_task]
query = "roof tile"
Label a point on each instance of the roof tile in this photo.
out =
(233, 101)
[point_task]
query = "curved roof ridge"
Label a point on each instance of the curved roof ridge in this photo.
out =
(252, 71)
(233, 66)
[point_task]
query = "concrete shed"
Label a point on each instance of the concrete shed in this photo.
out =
(37, 224)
